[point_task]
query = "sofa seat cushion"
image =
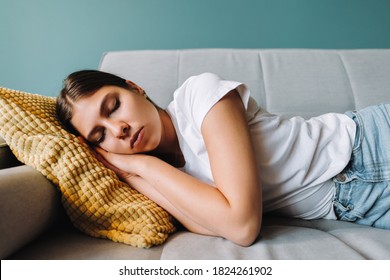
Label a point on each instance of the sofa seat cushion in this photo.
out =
(289, 239)
(63, 242)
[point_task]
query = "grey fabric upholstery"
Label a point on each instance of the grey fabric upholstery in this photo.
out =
(29, 205)
(291, 82)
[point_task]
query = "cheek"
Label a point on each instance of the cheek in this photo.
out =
(148, 114)
(155, 129)
(110, 145)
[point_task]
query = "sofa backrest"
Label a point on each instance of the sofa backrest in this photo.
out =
(304, 82)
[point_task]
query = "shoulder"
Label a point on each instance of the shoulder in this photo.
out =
(197, 89)
(206, 78)
(200, 82)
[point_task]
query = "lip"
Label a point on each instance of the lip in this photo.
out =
(137, 138)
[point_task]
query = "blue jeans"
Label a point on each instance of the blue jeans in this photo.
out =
(363, 188)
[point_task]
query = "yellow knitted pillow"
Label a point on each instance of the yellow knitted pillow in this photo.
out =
(96, 201)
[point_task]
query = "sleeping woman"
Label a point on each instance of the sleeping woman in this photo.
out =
(217, 161)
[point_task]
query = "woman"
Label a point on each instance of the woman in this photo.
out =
(216, 161)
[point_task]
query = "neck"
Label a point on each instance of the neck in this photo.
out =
(169, 148)
(169, 139)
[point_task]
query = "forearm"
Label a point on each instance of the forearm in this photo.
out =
(197, 202)
(157, 180)
(148, 190)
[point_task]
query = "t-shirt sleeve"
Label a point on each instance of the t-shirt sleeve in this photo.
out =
(200, 93)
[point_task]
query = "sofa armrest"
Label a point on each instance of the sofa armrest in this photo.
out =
(29, 204)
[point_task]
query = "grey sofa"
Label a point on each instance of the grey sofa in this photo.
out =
(289, 82)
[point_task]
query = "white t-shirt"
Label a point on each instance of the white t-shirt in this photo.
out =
(296, 158)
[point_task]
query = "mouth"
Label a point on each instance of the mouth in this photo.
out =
(137, 138)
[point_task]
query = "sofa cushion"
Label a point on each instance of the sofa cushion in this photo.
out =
(288, 239)
(63, 242)
(97, 202)
(290, 82)
(28, 206)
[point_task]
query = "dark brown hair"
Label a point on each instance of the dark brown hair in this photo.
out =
(82, 84)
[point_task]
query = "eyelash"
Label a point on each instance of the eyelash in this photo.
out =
(101, 139)
(116, 106)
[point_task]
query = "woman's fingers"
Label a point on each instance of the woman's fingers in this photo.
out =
(107, 159)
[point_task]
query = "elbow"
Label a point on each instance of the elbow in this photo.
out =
(245, 235)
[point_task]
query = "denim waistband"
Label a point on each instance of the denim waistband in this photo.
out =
(370, 159)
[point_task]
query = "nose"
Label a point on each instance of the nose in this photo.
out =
(118, 128)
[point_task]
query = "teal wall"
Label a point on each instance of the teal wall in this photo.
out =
(41, 41)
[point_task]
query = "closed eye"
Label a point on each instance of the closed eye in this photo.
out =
(109, 105)
(101, 138)
(102, 131)
(116, 105)
(97, 136)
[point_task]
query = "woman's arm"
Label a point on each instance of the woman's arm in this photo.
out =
(148, 190)
(233, 208)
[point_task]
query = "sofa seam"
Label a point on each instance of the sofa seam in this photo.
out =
(349, 246)
(349, 79)
(265, 105)
(178, 68)
(330, 232)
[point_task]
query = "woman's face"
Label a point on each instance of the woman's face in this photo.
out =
(118, 120)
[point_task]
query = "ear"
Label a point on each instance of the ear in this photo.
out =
(136, 88)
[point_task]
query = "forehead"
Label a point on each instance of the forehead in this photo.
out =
(86, 110)
(90, 101)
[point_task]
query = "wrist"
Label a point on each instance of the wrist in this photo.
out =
(140, 164)
(146, 165)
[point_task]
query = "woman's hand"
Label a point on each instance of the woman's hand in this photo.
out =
(104, 157)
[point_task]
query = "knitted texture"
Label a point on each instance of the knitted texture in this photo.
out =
(96, 201)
